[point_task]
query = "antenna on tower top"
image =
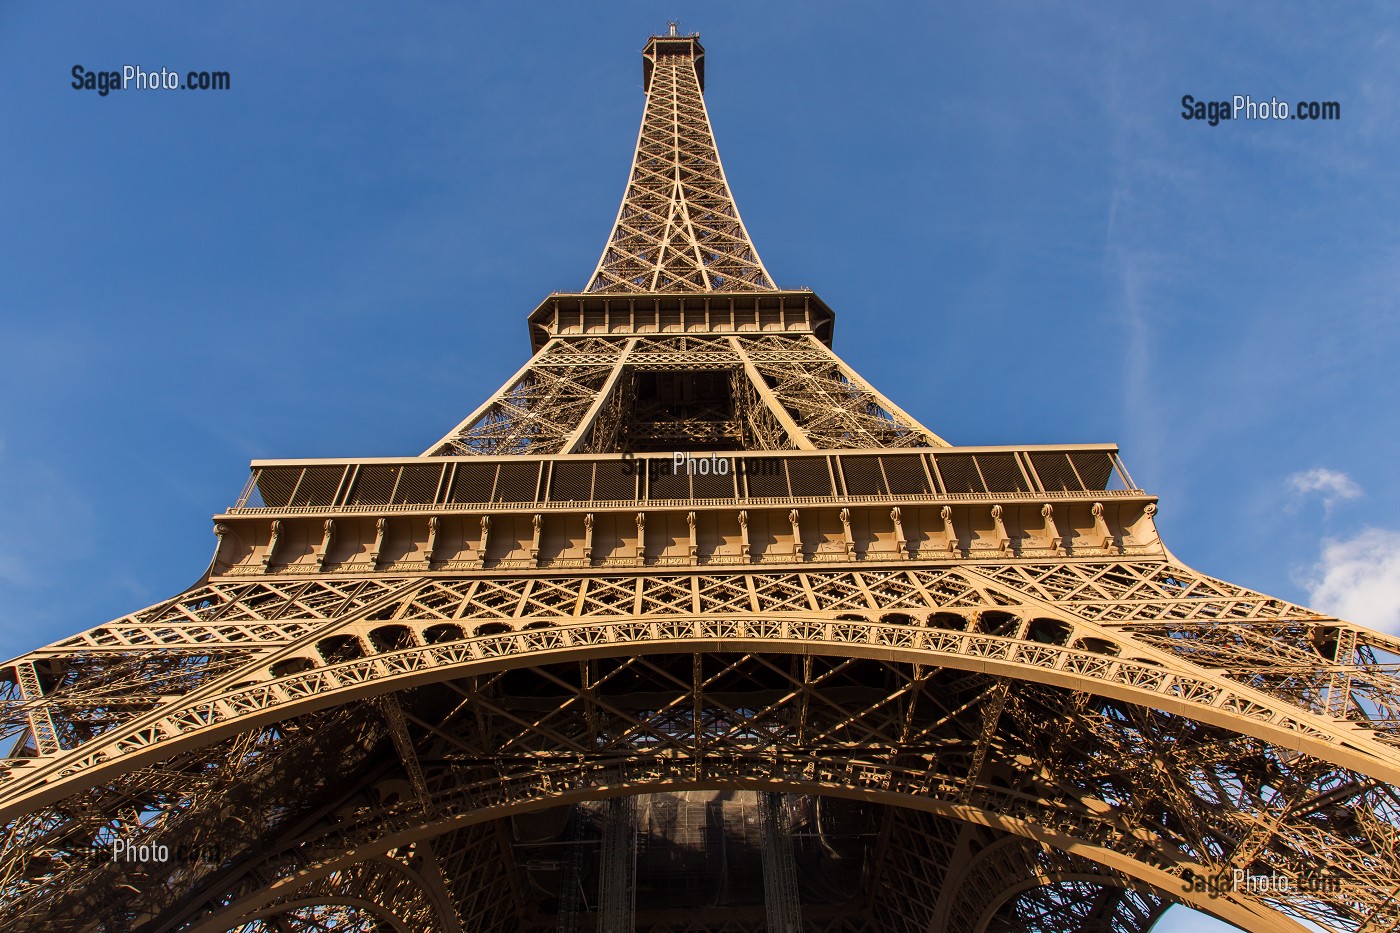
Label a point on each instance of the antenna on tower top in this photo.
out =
(672, 24)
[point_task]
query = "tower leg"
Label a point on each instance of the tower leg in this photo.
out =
(616, 891)
(569, 892)
(779, 867)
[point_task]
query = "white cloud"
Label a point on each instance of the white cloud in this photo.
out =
(1333, 485)
(1358, 579)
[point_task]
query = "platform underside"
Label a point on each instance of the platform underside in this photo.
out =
(699, 868)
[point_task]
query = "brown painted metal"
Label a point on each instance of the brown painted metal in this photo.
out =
(993, 699)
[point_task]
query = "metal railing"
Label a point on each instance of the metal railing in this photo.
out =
(470, 484)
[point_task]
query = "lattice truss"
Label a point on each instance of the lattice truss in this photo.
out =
(833, 405)
(538, 410)
(785, 391)
(997, 882)
(405, 889)
(678, 229)
(1165, 726)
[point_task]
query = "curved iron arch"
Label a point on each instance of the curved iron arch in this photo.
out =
(212, 714)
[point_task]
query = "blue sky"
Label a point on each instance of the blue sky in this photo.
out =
(1022, 238)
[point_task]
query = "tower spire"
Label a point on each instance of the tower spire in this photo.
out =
(678, 229)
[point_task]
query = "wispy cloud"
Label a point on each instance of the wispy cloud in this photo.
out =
(1332, 485)
(1358, 579)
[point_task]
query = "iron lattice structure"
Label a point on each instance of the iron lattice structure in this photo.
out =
(822, 671)
(678, 229)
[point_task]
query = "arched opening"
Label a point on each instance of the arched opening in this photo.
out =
(1048, 631)
(1097, 646)
(511, 739)
(289, 666)
(392, 638)
(444, 631)
(339, 648)
(711, 853)
(997, 622)
(951, 621)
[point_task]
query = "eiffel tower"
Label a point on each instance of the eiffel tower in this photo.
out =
(689, 629)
